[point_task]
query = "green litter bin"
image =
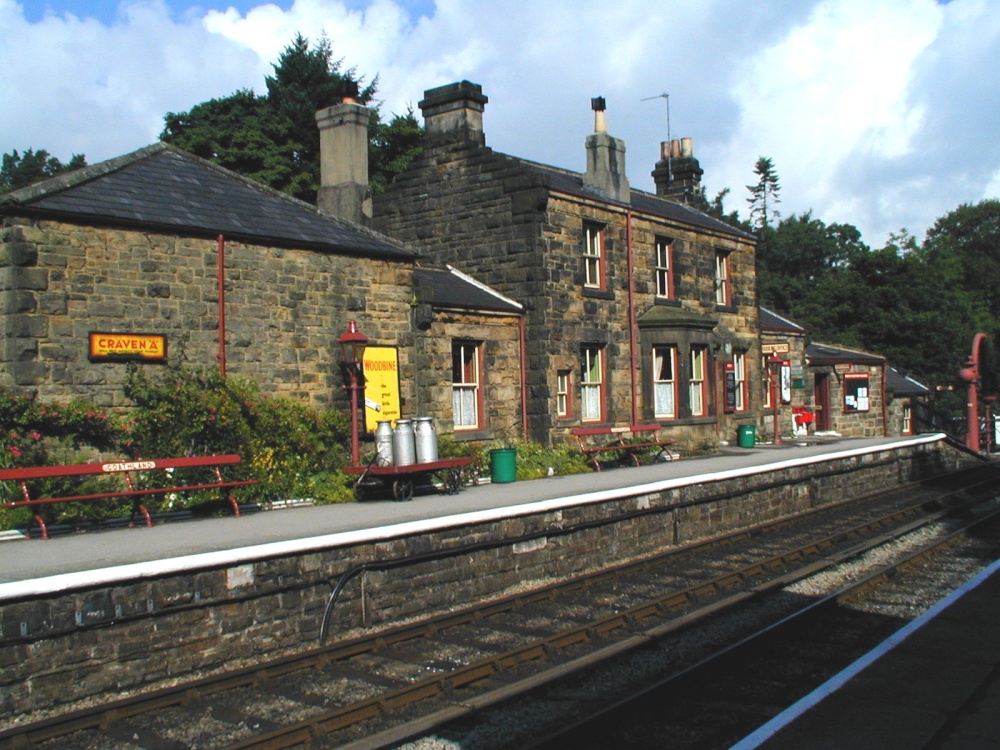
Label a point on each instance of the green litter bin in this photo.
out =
(503, 465)
(747, 436)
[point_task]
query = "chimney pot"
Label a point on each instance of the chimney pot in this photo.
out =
(348, 91)
(678, 175)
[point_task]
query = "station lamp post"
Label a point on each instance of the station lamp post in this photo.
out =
(352, 351)
(774, 365)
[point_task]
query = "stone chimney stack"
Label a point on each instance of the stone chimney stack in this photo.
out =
(678, 174)
(343, 158)
(454, 114)
(605, 173)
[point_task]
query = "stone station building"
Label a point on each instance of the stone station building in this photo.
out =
(638, 308)
(519, 298)
(219, 270)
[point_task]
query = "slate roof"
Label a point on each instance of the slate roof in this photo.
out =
(450, 288)
(572, 183)
(771, 321)
(163, 188)
(903, 385)
(824, 354)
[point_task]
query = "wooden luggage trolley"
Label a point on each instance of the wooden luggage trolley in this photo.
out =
(402, 479)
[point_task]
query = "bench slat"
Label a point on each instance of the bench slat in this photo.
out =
(618, 444)
(24, 474)
(116, 467)
(129, 493)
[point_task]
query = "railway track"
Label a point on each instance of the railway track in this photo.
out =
(801, 637)
(399, 683)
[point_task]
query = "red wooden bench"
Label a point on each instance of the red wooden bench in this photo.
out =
(126, 469)
(596, 441)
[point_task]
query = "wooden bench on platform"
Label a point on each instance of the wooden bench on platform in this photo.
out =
(598, 441)
(125, 469)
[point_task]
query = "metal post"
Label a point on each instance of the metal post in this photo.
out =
(774, 363)
(353, 390)
(352, 344)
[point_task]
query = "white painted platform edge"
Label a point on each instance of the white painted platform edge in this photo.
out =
(243, 555)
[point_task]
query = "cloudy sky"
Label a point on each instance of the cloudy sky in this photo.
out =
(884, 114)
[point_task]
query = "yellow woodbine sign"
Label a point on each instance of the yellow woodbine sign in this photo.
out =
(116, 347)
(381, 367)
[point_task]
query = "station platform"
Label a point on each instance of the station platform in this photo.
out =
(30, 567)
(934, 684)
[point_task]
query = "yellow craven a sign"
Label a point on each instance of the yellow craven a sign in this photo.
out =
(143, 347)
(381, 368)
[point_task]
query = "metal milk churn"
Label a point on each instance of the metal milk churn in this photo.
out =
(426, 439)
(383, 443)
(403, 447)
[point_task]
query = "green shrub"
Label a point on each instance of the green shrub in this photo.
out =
(292, 450)
(34, 433)
(534, 460)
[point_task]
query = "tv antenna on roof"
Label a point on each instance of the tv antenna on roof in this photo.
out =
(666, 97)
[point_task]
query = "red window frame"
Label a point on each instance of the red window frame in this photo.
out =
(664, 268)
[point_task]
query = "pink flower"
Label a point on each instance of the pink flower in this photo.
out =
(14, 451)
(34, 436)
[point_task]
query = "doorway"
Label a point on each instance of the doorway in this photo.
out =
(822, 396)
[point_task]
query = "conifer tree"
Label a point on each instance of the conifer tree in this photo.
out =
(764, 195)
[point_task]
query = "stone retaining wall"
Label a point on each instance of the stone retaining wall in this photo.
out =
(136, 635)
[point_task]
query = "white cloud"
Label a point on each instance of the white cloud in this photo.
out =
(73, 85)
(877, 114)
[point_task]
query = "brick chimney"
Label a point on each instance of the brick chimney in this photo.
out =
(454, 114)
(605, 173)
(678, 174)
(343, 158)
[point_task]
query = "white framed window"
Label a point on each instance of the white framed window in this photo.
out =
(664, 268)
(907, 419)
(466, 394)
(593, 255)
(665, 382)
(742, 391)
(723, 284)
(698, 382)
(563, 408)
(591, 384)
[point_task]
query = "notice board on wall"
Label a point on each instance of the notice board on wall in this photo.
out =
(857, 391)
(731, 386)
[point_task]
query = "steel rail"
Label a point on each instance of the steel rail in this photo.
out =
(546, 649)
(847, 592)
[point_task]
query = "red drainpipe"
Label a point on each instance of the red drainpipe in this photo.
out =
(885, 399)
(632, 356)
(222, 305)
(524, 379)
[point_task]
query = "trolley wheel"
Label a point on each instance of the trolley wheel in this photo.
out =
(453, 481)
(402, 489)
(359, 491)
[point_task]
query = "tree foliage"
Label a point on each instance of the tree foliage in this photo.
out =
(918, 305)
(18, 171)
(273, 138)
